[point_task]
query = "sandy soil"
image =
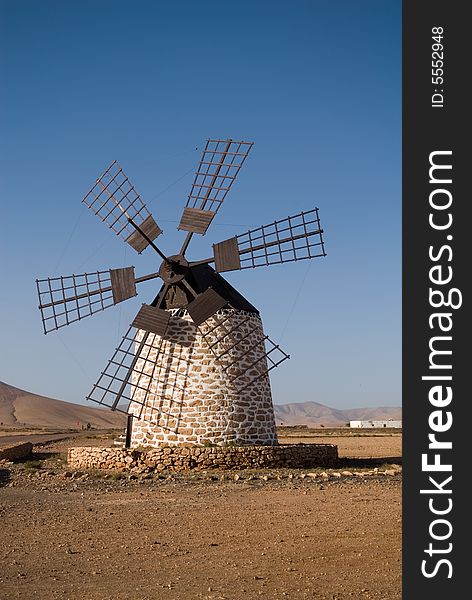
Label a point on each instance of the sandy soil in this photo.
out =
(197, 536)
(85, 438)
(362, 446)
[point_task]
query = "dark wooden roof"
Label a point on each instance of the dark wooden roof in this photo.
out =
(202, 277)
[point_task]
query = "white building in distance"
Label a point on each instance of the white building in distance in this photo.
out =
(368, 424)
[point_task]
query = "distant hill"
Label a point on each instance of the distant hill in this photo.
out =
(313, 413)
(20, 408)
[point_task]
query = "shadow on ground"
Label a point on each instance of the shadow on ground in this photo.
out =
(44, 455)
(366, 463)
(4, 477)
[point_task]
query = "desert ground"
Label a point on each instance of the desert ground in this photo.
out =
(320, 533)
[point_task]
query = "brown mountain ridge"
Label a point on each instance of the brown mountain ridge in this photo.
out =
(315, 414)
(19, 408)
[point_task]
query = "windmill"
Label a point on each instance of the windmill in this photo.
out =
(193, 366)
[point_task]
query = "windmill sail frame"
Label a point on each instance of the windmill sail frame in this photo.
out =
(145, 359)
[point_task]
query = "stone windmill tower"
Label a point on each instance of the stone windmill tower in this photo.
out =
(193, 366)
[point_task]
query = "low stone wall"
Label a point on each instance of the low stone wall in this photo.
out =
(177, 458)
(16, 451)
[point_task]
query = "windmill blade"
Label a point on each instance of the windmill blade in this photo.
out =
(237, 345)
(216, 172)
(295, 238)
(64, 300)
(143, 363)
(115, 201)
(205, 305)
(152, 319)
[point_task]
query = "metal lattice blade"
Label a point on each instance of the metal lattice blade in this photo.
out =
(115, 201)
(232, 348)
(142, 362)
(64, 300)
(295, 238)
(217, 170)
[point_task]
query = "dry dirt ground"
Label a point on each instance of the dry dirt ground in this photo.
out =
(82, 536)
(359, 444)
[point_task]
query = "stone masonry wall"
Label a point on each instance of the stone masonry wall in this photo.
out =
(192, 398)
(175, 458)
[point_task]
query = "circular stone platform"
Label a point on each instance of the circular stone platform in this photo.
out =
(178, 458)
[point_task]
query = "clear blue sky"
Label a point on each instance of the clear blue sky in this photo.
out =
(315, 84)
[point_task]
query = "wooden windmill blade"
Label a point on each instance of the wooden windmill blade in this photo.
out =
(273, 357)
(235, 345)
(142, 361)
(66, 299)
(205, 305)
(115, 201)
(220, 164)
(295, 238)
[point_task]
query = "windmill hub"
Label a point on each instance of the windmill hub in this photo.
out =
(173, 269)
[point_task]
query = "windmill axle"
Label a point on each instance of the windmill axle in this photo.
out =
(174, 268)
